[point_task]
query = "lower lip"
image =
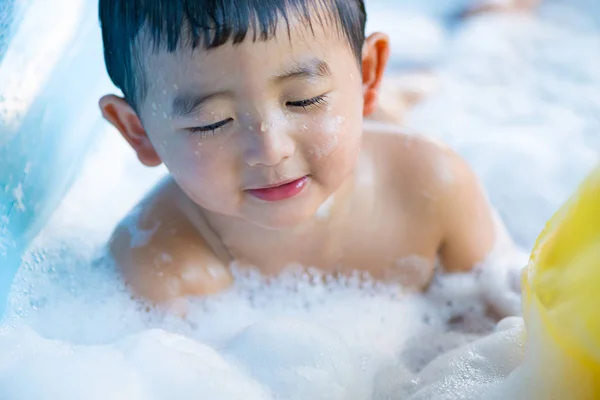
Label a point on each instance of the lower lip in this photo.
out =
(282, 192)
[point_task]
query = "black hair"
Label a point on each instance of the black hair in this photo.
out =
(207, 24)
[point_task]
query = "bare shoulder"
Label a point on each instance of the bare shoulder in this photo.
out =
(160, 253)
(437, 187)
(419, 167)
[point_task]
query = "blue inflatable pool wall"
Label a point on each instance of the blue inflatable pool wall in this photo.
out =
(48, 116)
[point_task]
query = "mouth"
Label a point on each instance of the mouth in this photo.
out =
(280, 191)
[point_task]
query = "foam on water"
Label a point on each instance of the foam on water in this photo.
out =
(290, 338)
(519, 101)
(520, 108)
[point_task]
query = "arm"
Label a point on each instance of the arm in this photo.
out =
(444, 200)
(468, 232)
(464, 231)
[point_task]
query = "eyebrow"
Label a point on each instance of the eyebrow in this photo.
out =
(187, 104)
(314, 68)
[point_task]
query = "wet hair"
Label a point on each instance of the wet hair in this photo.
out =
(207, 24)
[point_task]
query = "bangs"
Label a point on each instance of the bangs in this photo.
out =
(171, 24)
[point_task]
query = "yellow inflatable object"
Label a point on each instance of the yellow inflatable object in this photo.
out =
(562, 299)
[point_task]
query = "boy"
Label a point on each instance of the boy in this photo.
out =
(256, 108)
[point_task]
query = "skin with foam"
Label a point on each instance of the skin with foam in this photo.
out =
(243, 120)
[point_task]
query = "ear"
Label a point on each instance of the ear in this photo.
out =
(122, 116)
(376, 52)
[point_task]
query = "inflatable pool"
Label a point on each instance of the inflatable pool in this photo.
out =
(51, 75)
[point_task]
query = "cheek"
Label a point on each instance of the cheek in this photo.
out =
(193, 163)
(340, 130)
(180, 153)
(325, 138)
(335, 145)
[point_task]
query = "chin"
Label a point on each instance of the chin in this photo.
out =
(281, 217)
(284, 221)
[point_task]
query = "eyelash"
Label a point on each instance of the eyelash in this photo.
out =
(210, 130)
(315, 101)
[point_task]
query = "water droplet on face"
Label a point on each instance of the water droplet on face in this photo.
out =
(264, 127)
(154, 106)
(165, 92)
(165, 115)
(199, 144)
(175, 87)
(251, 128)
(327, 147)
(325, 208)
(305, 127)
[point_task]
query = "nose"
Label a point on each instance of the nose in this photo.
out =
(270, 143)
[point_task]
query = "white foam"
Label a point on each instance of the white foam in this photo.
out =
(150, 365)
(516, 93)
(141, 237)
(326, 148)
(298, 360)
(325, 208)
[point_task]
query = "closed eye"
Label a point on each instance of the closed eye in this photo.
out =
(210, 128)
(315, 101)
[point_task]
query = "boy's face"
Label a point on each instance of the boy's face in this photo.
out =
(263, 131)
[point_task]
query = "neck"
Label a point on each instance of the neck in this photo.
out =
(316, 242)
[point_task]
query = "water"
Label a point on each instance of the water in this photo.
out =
(518, 99)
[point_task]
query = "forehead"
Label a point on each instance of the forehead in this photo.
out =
(294, 42)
